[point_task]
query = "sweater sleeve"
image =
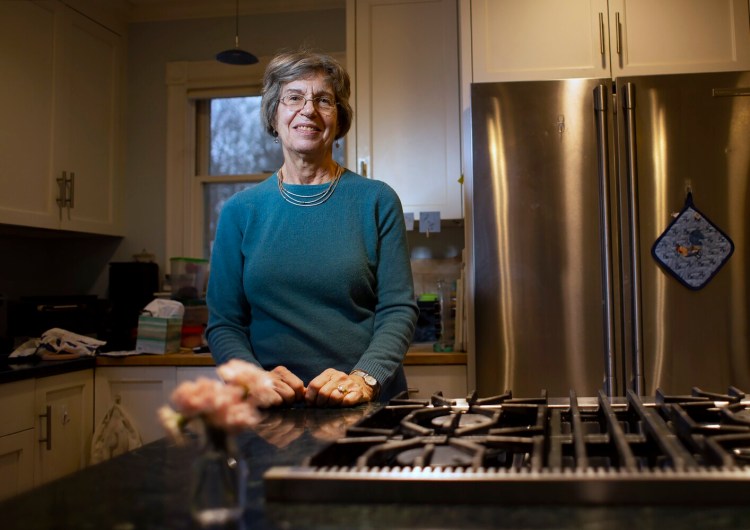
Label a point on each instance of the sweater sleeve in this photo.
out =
(228, 318)
(396, 309)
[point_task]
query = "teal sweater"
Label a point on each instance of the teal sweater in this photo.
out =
(310, 288)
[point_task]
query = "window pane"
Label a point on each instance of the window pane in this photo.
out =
(214, 197)
(240, 144)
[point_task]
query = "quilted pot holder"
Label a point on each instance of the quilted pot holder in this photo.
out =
(692, 248)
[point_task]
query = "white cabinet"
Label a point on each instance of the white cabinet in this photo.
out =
(61, 106)
(16, 438)
(140, 391)
(678, 36)
(46, 427)
(423, 380)
(548, 39)
(406, 99)
(64, 406)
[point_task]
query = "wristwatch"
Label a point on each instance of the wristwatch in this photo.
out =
(369, 381)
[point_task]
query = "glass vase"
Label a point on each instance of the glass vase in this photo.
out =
(219, 480)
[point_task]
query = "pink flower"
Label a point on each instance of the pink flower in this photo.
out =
(203, 396)
(235, 417)
(256, 381)
(231, 405)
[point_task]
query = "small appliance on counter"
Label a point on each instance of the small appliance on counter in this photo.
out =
(29, 316)
(132, 285)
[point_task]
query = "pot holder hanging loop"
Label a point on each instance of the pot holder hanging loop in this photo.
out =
(692, 248)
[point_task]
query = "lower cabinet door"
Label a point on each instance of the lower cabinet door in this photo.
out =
(65, 425)
(16, 463)
(140, 391)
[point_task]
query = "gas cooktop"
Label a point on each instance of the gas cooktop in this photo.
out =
(665, 449)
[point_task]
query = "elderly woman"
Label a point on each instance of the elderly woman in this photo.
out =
(310, 272)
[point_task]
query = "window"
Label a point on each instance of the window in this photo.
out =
(216, 146)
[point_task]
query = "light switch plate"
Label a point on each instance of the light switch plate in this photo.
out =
(429, 222)
(409, 221)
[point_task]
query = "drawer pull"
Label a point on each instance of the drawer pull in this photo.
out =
(48, 439)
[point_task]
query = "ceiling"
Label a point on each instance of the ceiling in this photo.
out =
(149, 10)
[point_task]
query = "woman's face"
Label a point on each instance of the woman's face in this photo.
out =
(307, 131)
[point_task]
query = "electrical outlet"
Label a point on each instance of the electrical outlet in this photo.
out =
(429, 222)
(409, 221)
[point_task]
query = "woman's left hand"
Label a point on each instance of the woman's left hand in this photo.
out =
(333, 388)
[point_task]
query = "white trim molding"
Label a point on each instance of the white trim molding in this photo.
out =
(187, 82)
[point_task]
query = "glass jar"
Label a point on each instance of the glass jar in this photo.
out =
(219, 480)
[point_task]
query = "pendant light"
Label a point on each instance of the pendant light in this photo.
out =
(236, 55)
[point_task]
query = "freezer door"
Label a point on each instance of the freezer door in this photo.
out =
(537, 238)
(685, 133)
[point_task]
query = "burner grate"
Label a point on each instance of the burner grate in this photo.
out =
(587, 450)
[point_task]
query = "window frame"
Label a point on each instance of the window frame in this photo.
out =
(187, 83)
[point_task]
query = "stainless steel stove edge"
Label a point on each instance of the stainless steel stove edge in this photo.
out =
(702, 486)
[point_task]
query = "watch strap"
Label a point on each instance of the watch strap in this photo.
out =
(369, 381)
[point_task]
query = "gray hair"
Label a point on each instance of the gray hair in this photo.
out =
(293, 65)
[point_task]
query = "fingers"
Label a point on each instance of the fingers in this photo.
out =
(288, 387)
(334, 388)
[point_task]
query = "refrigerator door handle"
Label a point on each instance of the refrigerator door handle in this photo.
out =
(602, 146)
(628, 105)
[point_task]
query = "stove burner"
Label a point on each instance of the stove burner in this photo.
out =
(633, 449)
(464, 420)
(442, 455)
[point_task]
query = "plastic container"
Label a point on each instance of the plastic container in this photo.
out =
(188, 278)
(192, 336)
(447, 337)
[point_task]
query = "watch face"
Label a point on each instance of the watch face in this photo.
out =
(370, 380)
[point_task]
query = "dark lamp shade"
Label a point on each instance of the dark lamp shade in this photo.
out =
(236, 56)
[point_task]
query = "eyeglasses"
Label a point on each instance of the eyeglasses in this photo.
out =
(324, 104)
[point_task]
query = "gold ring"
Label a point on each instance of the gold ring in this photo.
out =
(342, 389)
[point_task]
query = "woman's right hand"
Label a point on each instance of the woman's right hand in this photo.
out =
(288, 387)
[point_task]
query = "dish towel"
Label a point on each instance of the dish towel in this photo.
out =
(692, 249)
(116, 434)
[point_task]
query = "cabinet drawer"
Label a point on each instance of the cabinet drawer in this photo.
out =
(16, 463)
(16, 406)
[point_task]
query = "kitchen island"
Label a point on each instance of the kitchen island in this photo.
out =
(149, 488)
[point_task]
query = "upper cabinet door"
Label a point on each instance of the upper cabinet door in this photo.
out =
(27, 191)
(88, 125)
(406, 84)
(548, 39)
(679, 36)
(61, 104)
(516, 40)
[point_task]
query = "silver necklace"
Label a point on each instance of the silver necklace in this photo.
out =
(309, 200)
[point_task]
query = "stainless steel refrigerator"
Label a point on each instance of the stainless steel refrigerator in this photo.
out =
(574, 182)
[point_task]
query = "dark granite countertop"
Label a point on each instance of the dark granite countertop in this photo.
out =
(148, 489)
(26, 368)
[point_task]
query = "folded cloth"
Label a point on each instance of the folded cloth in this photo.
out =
(58, 341)
(115, 435)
